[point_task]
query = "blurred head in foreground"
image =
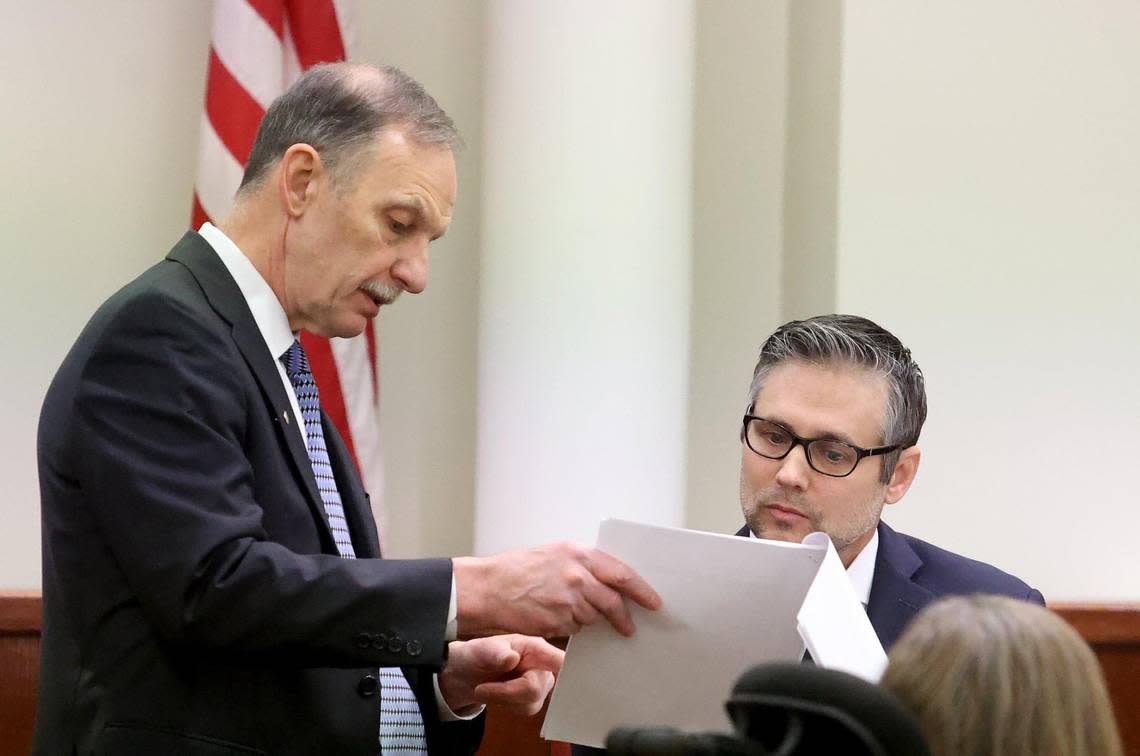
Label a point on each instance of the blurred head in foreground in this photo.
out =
(992, 676)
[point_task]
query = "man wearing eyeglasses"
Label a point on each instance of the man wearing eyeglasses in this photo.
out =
(829, 438)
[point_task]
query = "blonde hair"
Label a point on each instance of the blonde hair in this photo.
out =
(992, 676)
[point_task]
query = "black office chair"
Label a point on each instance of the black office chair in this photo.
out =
(791, 708)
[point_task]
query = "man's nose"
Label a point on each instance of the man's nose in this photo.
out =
(794, 469)
(411, 269)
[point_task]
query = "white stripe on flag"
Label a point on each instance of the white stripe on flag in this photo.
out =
(250, 49)
(291, 63)
(219, 174)
(355, 371)
(348, 19)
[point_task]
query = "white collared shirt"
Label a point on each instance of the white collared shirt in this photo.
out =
(861, 573)
(267, 311)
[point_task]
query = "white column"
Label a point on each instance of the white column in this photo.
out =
(585, 273)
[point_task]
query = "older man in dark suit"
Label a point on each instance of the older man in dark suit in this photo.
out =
(212, 575)
(829, 439)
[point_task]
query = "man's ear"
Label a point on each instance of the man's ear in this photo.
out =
(903, 475)
(299, 175)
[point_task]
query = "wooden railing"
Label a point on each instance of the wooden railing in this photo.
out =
(1113, 631)
(20, 626)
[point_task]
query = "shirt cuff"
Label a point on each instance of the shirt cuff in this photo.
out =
(445, 712)
(451, 632)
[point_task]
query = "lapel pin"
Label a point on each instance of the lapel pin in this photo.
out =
(285, 416)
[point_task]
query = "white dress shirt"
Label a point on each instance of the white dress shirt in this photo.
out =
(862, 570)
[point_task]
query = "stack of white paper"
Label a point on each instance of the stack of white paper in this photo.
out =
(728, 603)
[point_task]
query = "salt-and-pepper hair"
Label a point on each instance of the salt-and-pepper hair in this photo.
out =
(856, 341)
(994, 676)
(340, 108)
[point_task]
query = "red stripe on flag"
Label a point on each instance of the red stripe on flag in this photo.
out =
(273, 11)
(197, 214)
(370, 334)
(316, 32)
(233, 113)
(325, 374)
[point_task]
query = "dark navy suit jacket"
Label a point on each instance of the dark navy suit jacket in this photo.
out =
(194, 602)
(909, 574)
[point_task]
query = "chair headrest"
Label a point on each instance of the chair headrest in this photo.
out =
(799, 708)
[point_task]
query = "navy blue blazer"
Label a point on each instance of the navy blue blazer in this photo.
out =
(194, 602)
(909, 574)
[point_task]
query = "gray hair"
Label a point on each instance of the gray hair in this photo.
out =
(339, 108)
(852, 340)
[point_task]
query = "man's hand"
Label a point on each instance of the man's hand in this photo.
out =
(516, 671)
(549, 591)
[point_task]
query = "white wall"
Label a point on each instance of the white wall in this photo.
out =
(990, 182)
(98, 143)
(986, 199)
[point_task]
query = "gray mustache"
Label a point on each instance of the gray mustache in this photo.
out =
(386, 293)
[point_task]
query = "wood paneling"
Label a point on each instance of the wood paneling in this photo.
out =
(509, 734)
(1113, 631)
(20, 625)
(21, 613)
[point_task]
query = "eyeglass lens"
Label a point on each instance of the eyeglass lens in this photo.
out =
(825, 455)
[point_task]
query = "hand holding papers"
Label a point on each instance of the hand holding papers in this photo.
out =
(728, 603)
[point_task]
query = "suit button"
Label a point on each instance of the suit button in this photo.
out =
(415, 648)
(380, 642)
(395, 645)
(363, 640)
(367, 686)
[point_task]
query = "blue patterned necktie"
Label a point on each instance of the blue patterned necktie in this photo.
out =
(401, 724)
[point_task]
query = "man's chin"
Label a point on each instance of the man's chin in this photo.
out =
(351, 333)
(346, 330)
(778, 530)
(787, 535)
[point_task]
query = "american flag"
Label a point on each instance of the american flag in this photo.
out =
(257, 49)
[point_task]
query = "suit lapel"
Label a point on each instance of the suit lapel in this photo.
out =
(895, 597)
(226, 298)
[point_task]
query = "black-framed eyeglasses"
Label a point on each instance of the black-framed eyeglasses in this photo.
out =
(827, 456)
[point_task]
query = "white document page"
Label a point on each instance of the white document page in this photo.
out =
(833, 622)
(728, 603)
